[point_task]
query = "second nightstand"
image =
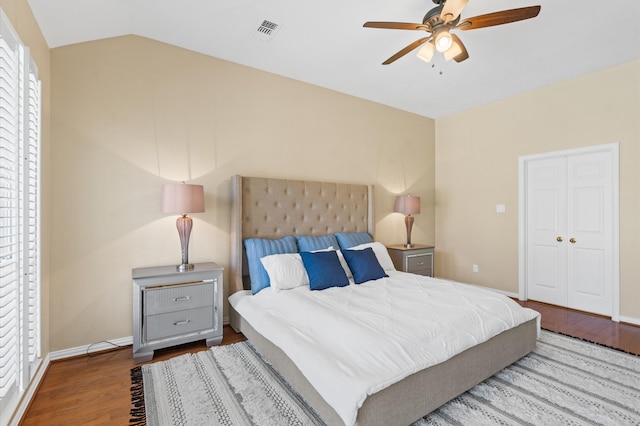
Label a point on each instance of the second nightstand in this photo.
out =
(418, 259)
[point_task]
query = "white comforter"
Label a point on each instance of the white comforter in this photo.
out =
(353, 341)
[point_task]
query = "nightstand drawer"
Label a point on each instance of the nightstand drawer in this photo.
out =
(178, 297)
(178, 323)
(417, 263)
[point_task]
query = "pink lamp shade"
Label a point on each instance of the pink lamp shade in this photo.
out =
(182, 199)
(408, 205)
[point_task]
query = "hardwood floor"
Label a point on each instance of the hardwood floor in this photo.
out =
(591, 327)
(94, 390)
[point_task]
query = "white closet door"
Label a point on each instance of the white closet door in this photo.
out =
(569, 229)
(546, 230)
(590, 232)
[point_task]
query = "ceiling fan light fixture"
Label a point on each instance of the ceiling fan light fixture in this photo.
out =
(453, 51)
(443, 40)
(426, 51)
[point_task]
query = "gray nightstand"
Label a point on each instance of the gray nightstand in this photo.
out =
(418, 259)
(171, 307)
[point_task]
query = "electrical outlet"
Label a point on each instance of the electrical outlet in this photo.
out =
(475, 268)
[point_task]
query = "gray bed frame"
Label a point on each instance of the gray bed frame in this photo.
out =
(274, 208)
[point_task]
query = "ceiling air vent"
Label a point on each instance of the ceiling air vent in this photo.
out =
(267, 30)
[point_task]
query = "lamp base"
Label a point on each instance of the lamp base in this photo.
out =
(408, 221)
(184, 225)
(184, 267)
(408, 245)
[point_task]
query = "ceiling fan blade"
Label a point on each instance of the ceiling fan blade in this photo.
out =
(453, 9)
(395, 25)
(457, 51)
(499, 18)
(406, 50)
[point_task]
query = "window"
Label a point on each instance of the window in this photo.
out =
(20, 95)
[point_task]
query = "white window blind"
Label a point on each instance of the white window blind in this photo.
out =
(9, 129)
(20, 97)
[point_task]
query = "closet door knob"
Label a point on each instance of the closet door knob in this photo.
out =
(559, 239)
(572, 240)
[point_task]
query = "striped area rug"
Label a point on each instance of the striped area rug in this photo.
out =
(564, 381)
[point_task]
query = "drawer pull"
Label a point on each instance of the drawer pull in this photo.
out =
(182, 299)
(420, 263)
(183, 322)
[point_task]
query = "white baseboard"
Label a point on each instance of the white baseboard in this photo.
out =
(630, 320)
(29, 392)
(94, 347)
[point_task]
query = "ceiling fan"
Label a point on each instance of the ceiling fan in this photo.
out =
(444, 18)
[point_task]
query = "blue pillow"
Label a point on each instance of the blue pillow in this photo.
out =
(351, 239)
(364, 265)
(324, 269)
(257, 248)
(309, 243)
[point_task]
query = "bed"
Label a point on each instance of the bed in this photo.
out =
(265, 209)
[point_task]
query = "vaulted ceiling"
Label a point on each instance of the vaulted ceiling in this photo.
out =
(325, 44)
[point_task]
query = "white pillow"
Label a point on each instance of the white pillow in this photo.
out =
(345, 265)
(381, 253)
(286, 271)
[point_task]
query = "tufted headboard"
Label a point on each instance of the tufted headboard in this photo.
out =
(274, 208)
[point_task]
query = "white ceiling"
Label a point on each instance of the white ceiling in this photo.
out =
(325, 44)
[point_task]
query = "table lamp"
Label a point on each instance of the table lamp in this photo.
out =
(408, 205)
(183, 199)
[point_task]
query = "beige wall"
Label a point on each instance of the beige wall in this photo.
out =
(22, 20)
(130, 114)
(477, 167)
